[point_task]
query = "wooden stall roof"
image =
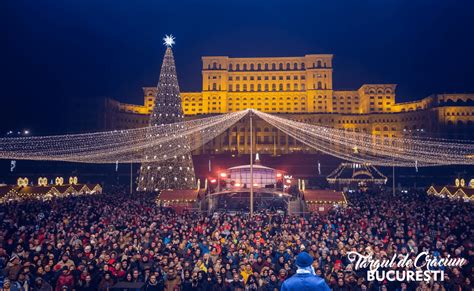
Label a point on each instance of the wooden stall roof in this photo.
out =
(35, 189)
(437, 188)
(468, 191)
(4, 190)
(452, 190)
(327, 196)
(179, 194)
(63, 188)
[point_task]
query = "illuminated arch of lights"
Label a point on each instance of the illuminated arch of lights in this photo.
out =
(164, 141)
(368, 148)
(171, 140)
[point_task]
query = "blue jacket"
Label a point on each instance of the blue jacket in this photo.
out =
(304, 282)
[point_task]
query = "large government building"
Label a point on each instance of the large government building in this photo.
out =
(301, 88)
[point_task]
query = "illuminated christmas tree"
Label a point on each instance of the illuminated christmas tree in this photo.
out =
(177, 172)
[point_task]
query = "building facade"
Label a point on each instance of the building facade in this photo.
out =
(301, 88)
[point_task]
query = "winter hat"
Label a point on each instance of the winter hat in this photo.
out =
(304, 260)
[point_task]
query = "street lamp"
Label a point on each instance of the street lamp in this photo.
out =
(223, 175)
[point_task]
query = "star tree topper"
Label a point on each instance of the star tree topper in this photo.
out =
(168, 40)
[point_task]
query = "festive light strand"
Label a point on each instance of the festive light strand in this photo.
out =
(122, 145)
(363, 148)
(163, 141)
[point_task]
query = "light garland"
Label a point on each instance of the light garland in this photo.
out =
(377, 151)
(73, 180)
(59, 181)
(119, 145)
(22, 182)
(45, 192)
(42, 181)
(163, 142)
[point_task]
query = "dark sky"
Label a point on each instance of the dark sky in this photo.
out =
(57, 51)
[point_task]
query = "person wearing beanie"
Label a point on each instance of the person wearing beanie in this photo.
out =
(305, 277)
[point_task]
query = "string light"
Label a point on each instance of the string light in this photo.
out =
(371, 149)
(45, 192)
(119, 145)
(163, 142)
(170, 111)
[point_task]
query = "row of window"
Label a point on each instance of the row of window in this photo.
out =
(378, 103)
(380, 91)
(379, 109)
(267, 78)
(460, 113)
(383, 120)
(267, 103)
(266, 87)
(344, 110)
(274, 109)
(334, 102)
(379, 97)
(266, 66)
(247, 98)
(266, 98)
(346, 97)
(303, 104)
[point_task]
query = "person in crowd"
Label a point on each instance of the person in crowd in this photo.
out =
(153, 284)
(65, 280)
(41, 285)
(305, 277)
(172, 282)
(107, 282)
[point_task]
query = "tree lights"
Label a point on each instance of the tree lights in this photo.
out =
(177, 171)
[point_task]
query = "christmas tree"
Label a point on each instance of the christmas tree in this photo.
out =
(177, 172)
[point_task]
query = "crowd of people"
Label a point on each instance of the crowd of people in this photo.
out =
(96, 242)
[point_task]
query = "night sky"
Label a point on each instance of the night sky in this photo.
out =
(56, 52)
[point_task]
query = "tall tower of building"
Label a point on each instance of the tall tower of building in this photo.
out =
(177, 172)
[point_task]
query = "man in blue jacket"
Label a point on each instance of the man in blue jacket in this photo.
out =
(305, 278)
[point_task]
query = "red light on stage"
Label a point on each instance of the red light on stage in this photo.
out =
(213, 181)
(223, 175)
(278, 175)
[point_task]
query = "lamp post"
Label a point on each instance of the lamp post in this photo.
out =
(223, 175)
(251, 164)
(393, 177)
(131, 177)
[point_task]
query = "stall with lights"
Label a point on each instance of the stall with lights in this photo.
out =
(460, 190)
(322, 201)
(359, 176)
(24, 190)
